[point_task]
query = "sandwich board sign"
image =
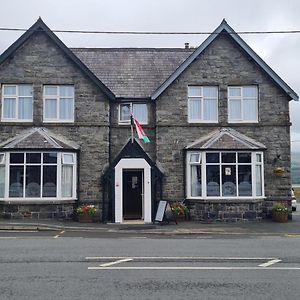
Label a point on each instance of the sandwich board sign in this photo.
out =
(161, 209)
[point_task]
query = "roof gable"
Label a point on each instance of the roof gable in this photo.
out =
(225, 139)
(40, 26)
(224, 27)
(38, 138)
(132, 150)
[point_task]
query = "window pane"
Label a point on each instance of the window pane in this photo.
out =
(33, 158)
(50, 158)
(244, 157)
(235, 110)
(9, 109)
(2, 180)
(212, 157)
(67, 181)
(258, 170)
(210, 110)
(213, 180)
(234, 92)
(196, 181)
(16, 176)
(10, 90)
(66, 109)
(258, 157)
(229, 180)
(210, 92)
(25, 108)
(125, 112)
(51, 109)
(2, 156)
(245, 181)
(194, 91)
(16, 158)
(195, 109)
(25, 90)
(66, 91)
(194, 157)
(250, 110)
(33, 181)
(228, 157)
(140, 112)
(250, 91)
(68, 158)
(51, 90)
(49, 181)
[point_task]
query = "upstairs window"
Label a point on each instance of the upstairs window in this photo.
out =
(242, 104)
(17, 103)
(58, 103)
(138, 110)
(202, 104)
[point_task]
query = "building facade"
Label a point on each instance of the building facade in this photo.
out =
(217, 117)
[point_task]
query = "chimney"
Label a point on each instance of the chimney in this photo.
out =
(186, 45)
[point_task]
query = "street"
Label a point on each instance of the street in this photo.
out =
(80, 265)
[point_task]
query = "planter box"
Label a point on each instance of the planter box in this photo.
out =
(86, 219)
(280, 217)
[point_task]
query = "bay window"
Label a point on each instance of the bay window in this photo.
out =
(17, 103)
(225, 174)
(37, 175)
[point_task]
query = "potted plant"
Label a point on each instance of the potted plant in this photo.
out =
(280, 213)
(180, 211)
(86, 213)
(279, 171)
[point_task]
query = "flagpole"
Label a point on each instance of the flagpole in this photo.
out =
(131, 125)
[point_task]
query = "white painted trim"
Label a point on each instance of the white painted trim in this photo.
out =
(133, 163)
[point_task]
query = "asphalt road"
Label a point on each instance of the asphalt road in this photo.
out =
(55, 265)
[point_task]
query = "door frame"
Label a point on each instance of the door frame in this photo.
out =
(133, 163)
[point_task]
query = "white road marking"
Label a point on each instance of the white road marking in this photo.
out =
(8, 237)
(58, 235)
(193, 268)
(270, 263)
(115, 262)
(178, 258)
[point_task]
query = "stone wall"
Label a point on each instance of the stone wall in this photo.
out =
(223, 64)
(39, 62)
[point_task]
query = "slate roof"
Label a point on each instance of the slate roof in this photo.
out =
(38, 138)
(132, 72)
(225, 138)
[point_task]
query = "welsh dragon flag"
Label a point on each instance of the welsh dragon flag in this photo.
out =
(139, 130)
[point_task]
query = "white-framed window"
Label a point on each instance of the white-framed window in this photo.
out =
(58, 103)
(138, 110)
(225, 174)
(202, 104)
(37, 175)
(17, 102)
(242, 104)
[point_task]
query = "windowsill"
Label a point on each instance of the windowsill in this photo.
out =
(129, 124)
(16, 121)
(36, 201)
(243, 122)
(227, 200)
(202, 122)
(58, 122)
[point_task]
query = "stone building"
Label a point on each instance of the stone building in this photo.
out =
(217, 117)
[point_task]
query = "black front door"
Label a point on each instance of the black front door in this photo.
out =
(132, 194)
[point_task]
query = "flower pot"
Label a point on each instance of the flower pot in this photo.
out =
(280, 217)
(85, 218)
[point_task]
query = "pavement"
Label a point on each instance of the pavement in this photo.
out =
(264, 227)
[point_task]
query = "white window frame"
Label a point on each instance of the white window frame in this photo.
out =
(59, 164)
(203, 164)
(57, 97)
(127, 122)
(202, 98)
(241, 99)
(16, 96)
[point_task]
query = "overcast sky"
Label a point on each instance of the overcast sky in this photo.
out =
(280, 51)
